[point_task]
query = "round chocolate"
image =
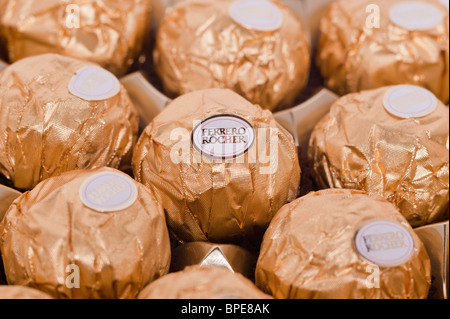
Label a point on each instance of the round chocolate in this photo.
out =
(108, 32)
(393, 142)
(21, 292)
(342, 244)
(195, 282)
(55, 116)
(86, 234)
(367, 44)
(258, 49)
(220, 166)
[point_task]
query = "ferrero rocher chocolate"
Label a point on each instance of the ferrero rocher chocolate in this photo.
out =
(256, 48)
(342, 244)
(367, 44)
(196, 282)
(220, 166)
(21, 292)
(58, 114)
(86, 234)
(392, 141)
(108, 32)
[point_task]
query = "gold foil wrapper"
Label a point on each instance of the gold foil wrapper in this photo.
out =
(221, 201)
(200, 46)
(232, 257)
(197, 282)
(20, 292)
(360, 145)
(45, 130)
(107, 32)
(355, 53)
(308, 251)
(49, 233)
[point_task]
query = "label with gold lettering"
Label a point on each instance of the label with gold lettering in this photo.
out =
(93, 83)
(223, 136)
(108, 192)
(385, 243)
(409, 101)
(416, 15)
(259, 15)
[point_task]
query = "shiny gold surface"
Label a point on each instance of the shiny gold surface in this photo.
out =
(359, 145)
(197, 282)
(45, 130)
(232, 257)
(20, 292)
(217, 201)
(354, 57)
(308, 251)
(48, 231)
(110, 33)
(199, 46)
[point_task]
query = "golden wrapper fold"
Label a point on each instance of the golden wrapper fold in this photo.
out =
(46, 130)
(200, 46)
(49, 237)
(20, 292)
(197, 282)
(360, 145)
(110, 33)
(221, 201)
(232, 257)
(308, 251)
(361, 48)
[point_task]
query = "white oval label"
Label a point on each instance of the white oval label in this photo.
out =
(385, 243)
(223, 136)
(93, 83)
(415, 15)
(409, 101)
(108, 192)
(259, 15)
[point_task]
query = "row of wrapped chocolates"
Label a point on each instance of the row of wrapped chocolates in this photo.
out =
(213, 166)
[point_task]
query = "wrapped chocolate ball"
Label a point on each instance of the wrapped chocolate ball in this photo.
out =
(59, 114)
(86, 234)
(342, 244)
(367, 44)
(393, 142)
(107, 32)
(257, 48)
(21, 292)
(220, 166)
(196, 282)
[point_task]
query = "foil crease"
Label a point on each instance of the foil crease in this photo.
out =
(217, 201)
(20, 292)
(308, 251)
(199, 46)
(197, 282)
(118, 253)
(353, 56)
(45, 130)
(110, 33)
(360, 145)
